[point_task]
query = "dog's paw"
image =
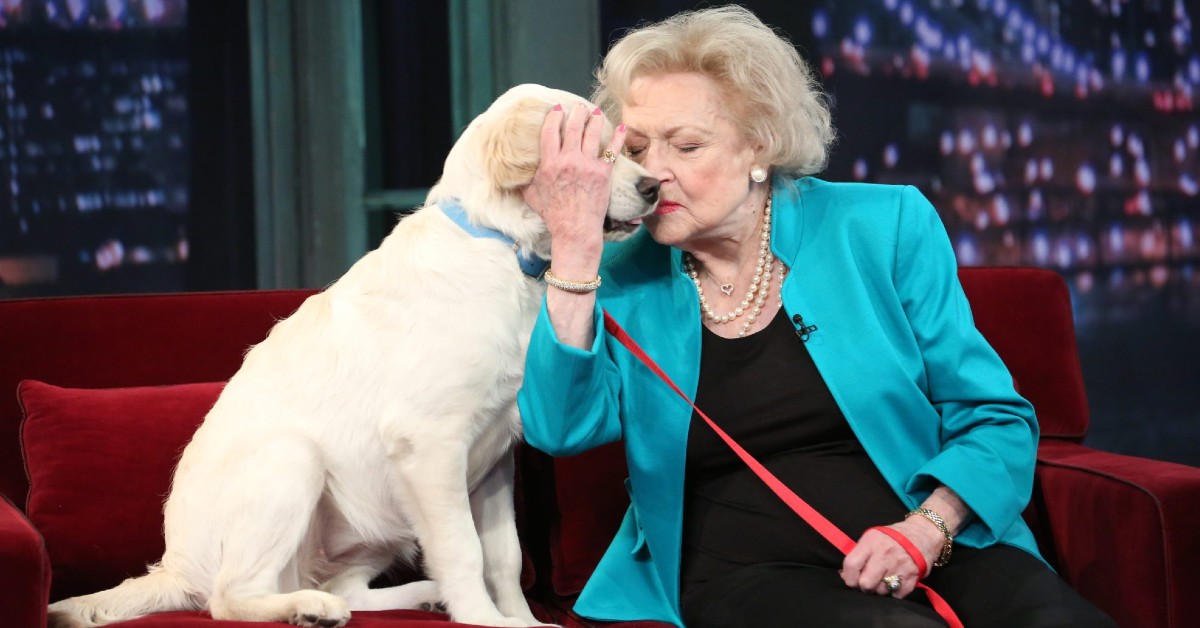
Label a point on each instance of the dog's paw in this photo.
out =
(314, 620)
(73, 613)
(317, 609)
(64, 619)
(490, 619)
(435, 607)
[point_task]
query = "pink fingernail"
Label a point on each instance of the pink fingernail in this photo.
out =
(557, 108)
(621, 128)
(596, 111)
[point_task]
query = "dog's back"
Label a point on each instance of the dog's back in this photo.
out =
(372, 363)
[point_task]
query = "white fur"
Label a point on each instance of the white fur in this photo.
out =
(378, 418)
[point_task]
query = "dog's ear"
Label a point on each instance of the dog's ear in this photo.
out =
(512, 143)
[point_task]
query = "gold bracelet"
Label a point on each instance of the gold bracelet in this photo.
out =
(575, 287)
(937, 520)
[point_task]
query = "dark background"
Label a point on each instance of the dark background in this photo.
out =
(1053, 133)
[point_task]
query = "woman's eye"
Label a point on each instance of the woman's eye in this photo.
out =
(634, 151)
(689, 148)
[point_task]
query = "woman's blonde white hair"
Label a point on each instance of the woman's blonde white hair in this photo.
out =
(773, 95)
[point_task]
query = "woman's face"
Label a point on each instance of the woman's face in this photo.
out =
(682, 132)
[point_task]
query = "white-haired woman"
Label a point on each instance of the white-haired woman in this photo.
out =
(821, 324)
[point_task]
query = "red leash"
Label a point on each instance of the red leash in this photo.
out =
(799, 506)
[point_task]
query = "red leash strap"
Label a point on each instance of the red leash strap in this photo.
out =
(799, 506)
(909, 548)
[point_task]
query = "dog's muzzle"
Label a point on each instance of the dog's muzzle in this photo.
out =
(647, 189)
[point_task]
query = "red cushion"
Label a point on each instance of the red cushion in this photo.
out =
(100, 465)
(124, 340)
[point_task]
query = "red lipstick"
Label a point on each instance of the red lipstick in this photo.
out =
(666, 207)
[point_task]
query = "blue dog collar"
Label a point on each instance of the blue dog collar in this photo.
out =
(530, 264)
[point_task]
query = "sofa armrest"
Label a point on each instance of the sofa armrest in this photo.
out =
(25, 576)
(1122, 531)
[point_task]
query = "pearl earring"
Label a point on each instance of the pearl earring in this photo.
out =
(758, 174)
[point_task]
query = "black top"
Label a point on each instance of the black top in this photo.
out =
(765, 391)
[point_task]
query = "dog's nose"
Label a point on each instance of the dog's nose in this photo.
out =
(647, 187)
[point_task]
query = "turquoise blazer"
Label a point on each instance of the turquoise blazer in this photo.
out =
(872, 267)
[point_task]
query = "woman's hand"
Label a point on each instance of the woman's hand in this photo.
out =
(570, 192)
(877, 556)
(571, 187)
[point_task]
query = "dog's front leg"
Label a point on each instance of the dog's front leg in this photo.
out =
(495, 520)
(434, 478)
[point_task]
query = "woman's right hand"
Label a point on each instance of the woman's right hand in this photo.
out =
(571, 187)
(570, 192)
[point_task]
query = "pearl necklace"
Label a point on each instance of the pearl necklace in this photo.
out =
(756, 296)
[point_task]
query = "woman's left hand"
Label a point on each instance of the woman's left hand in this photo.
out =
(877, 556)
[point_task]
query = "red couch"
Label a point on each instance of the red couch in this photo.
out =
(118, 384)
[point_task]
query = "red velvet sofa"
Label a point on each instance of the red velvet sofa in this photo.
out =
(98, 395)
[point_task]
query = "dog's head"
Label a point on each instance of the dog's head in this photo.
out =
(498, 154)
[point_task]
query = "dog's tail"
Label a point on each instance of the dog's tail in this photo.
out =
(156, 592)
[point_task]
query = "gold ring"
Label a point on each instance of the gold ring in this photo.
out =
(609, 156)
(892, 583)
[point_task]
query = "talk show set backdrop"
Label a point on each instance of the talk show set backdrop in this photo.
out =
(1055, 133)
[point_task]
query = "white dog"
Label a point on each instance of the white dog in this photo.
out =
(379, 418)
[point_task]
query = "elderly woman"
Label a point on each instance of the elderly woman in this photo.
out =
(822, 325)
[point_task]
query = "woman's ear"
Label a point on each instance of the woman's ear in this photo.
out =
(760, 167)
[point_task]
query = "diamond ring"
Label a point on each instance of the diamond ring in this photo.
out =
(892, 583)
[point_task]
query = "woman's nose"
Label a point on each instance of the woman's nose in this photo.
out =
(653, 160)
